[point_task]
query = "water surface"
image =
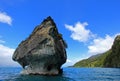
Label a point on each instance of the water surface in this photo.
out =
(69, 74)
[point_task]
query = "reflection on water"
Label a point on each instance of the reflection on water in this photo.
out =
(69, 74)
(38, 78)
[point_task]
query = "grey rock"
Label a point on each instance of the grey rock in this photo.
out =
(43, 52)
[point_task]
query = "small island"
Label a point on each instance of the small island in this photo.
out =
(43, 52)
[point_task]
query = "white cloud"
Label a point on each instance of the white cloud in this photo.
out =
(69, 63)
(4, 18)
(69, 60)
(101, 45)
(6, 56)
(1, 41)
(79, 32)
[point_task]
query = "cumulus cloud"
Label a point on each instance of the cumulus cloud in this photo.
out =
(98, 44)
(79, 32)
(101, 45)
(6, 56)
(4, 18)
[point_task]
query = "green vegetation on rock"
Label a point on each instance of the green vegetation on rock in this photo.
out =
(113, 59)
(110, 58)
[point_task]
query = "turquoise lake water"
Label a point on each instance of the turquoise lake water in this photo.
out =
(69, 74)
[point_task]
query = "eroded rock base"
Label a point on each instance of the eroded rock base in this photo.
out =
(37, 70)
(40, 71)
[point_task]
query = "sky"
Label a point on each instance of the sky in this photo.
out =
(88, 26)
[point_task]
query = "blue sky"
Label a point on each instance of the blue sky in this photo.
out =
(88, 26)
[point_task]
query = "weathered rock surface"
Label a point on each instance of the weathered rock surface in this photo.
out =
(43, 52)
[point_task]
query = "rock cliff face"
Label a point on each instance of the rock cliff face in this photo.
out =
(113, 59)
(43, 52)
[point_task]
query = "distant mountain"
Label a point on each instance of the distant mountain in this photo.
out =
(110, 58)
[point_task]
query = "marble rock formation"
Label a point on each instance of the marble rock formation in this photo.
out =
(43, 52)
